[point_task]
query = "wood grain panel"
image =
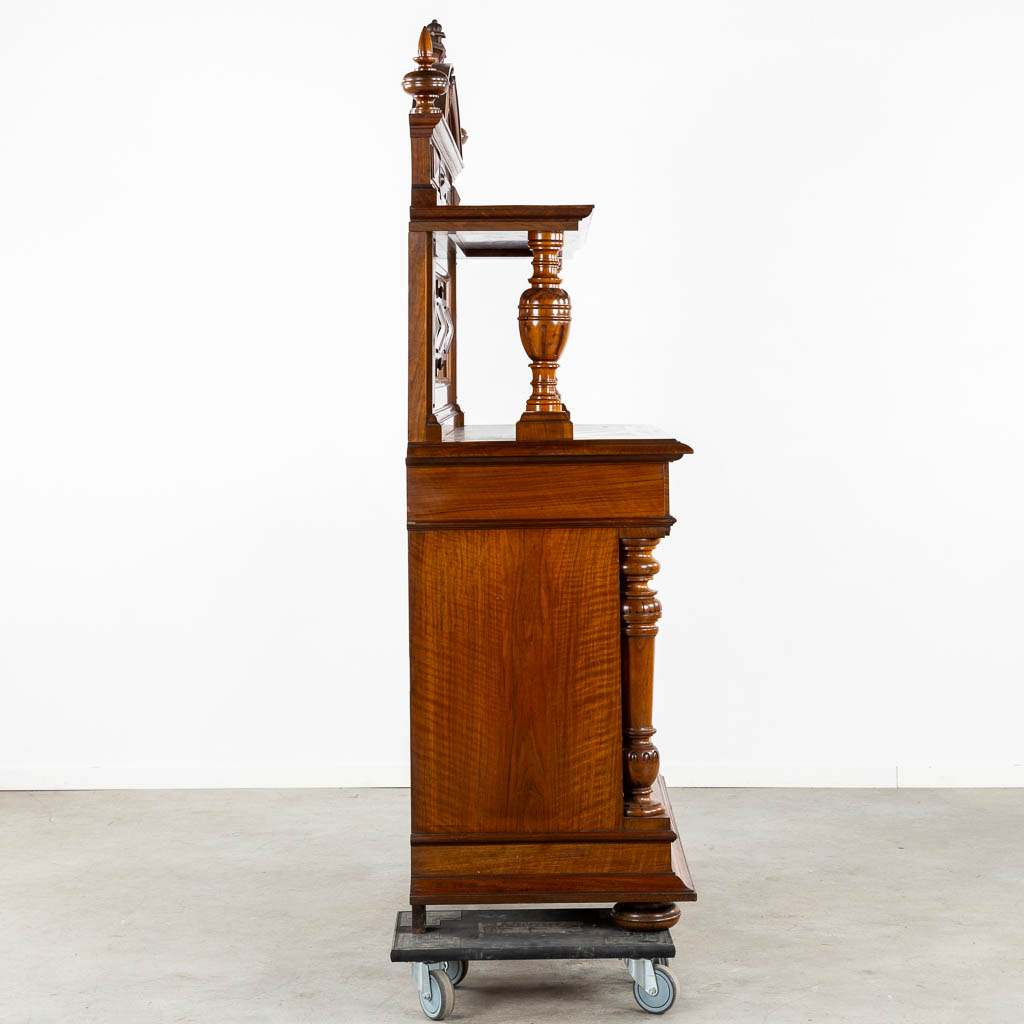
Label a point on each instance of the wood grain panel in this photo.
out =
(657, 831)
(602, 490)
(542, 858)
(420, 334)
(516, 715)
(576, 888)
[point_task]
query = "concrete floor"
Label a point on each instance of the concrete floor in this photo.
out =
(868, 906)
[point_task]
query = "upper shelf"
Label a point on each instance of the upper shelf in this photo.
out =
(602, 442)
(497, 231)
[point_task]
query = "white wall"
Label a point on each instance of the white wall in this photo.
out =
(806, 260)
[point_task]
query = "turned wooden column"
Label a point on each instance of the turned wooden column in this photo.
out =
(641, 610)
(545, 313)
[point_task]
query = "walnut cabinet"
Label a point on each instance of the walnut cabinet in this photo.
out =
(532, 613)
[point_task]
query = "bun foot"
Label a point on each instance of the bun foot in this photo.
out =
(645, 917)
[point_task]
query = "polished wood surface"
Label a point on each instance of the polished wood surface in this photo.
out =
(645, 916)
(426, 83)
(545, 314)
(576, 491)
(498, 218)
(420, 371)
(550, 856)
(501, 622)
(590, 444)
(641, 610)
(531, 554)
(644, 876)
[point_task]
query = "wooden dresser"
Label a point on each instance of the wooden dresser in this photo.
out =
(531, 612)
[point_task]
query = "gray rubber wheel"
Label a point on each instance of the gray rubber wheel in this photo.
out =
(457, 971)
(662, 1000)
(441, 1001)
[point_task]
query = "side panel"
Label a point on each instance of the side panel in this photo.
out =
(516, 708)
(420, 333)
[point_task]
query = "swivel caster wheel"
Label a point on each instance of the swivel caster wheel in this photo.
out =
(436, 991)
(457, 971)
(662, 999)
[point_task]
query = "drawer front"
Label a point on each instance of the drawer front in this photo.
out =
(573, 493)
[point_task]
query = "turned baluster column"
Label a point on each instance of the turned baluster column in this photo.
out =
(641, 610)
(545, 313)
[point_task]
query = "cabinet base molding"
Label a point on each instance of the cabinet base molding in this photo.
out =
(643, 871)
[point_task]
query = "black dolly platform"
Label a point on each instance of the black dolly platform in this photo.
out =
(441, 955)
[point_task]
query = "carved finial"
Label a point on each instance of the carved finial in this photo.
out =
(426, 82)
(437, 37)
(425, 55)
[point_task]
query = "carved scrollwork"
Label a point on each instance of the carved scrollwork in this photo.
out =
(444, 324)
(450, 104)
(440, 178)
